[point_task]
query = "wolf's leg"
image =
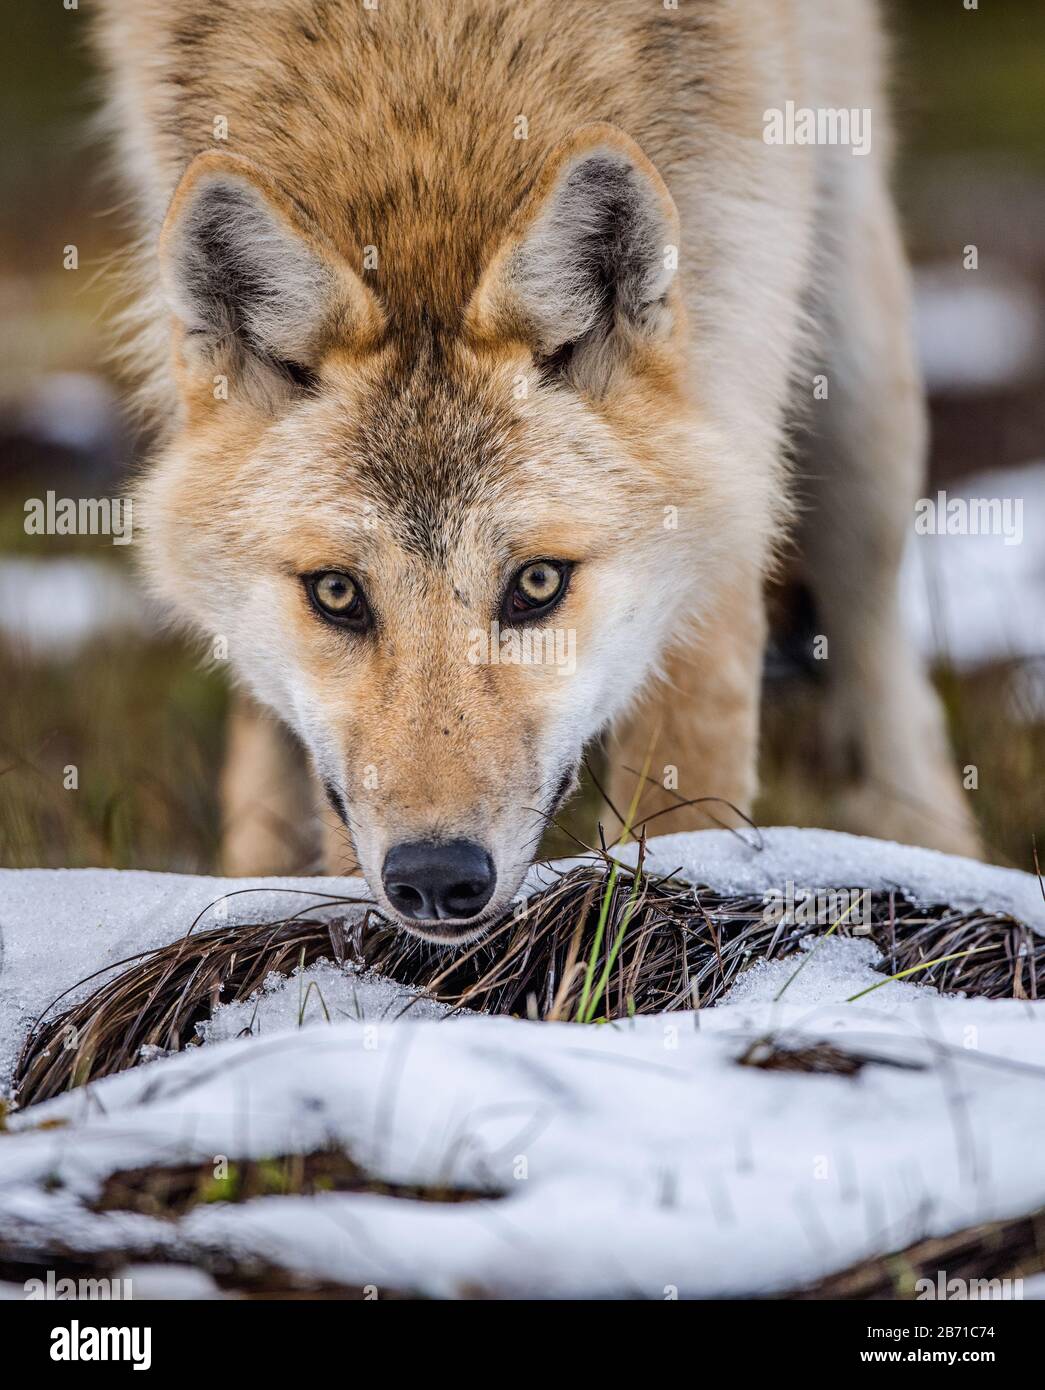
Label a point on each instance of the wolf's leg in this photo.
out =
(698, 725)
(268, 804)
(865, 467)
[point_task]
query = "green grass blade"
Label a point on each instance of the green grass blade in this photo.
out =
(809, 954)
(913, 970)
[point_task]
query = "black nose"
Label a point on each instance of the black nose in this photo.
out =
(427, 879)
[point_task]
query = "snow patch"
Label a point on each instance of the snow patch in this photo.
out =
(52, 608)
(972, 599)
(830, 971)
(321, 993)
(631, 1159)
(976, 331)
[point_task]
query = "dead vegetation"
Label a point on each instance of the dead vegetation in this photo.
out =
(171, 1192)
(599, 943)
(970, 1263)
(817, 1059)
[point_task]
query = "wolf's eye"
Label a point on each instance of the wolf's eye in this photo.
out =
(338, 597)
(536, 589)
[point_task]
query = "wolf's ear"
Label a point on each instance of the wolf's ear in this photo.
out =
(586, 268)
(256, 288)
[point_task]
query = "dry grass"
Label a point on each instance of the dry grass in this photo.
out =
(593, 946)
(992, 1251)
(169, 1193)
(661, 945)
(995, 1250)
(817, 1059)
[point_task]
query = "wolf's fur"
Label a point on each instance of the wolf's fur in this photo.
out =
(520, 374)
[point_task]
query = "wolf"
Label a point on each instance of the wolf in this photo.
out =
(449, 315)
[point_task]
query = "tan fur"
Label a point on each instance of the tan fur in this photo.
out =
(436, 450)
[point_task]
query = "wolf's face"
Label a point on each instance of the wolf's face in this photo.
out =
(447, 563)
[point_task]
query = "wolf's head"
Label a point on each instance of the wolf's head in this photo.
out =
(446, 559)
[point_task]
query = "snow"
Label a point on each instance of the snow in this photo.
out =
(832, 971)
(974, 599)
(53, 607)
(976, 331)
(321, 993)
(59, 926)
(73, 410)
(631, 1159)
(755, 862)
(169, 1281)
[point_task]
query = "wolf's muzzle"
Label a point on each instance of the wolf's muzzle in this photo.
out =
(428, 880)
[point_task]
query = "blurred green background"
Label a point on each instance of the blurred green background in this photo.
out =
(138, 715)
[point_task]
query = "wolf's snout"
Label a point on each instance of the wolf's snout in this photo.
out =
(425, 879)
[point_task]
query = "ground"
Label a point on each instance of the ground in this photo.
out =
(343, 1146)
